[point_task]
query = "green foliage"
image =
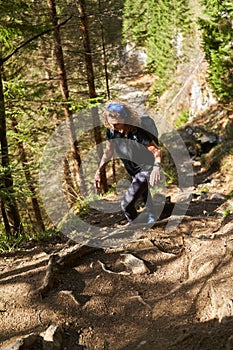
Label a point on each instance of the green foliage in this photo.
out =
(158, 26)
(182, 119)
(7, 35)
(31, 82)
(217, 33)
(9, 194)
(203, 189)
(169, 168)
(12, 243)
(226, 212)
(136, 21)
(17, 24)
(82, 205)
(6, 193)
(9, 243)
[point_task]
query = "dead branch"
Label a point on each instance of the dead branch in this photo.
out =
(28, 41)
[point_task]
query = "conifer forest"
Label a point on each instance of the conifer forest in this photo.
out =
(58, 57)
(68, 260)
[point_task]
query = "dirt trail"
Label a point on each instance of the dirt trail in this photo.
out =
(183, 300)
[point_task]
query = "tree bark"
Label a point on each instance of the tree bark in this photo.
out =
(87, 48)
(10, 205)
(91, 86)
(65, 95)
(104, 53)
(70, 190)
(29, 179)
(5, 220)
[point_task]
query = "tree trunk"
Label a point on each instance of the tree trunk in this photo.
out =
(9, 202)
(29, 179)
(91, 86)
(65, 96)
(108, 94)
(5, 220)
(70, 191)
(104, 53)
(87, 48)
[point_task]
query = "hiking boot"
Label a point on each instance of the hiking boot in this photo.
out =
(151, 219)
(146, 220)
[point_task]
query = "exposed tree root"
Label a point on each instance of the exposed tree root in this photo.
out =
(67, 257)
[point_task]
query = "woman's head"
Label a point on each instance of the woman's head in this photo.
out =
(119, 114)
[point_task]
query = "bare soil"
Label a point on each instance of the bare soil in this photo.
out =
(183, 301)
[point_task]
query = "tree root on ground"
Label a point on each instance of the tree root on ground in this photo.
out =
(67, 257)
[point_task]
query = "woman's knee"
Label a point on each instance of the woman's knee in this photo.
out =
(127, 205)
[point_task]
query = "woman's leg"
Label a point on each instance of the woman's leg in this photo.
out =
(137, 189)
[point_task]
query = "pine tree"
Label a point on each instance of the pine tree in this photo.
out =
(10, 32)
(217, 36)
(135, 24)
(9, 205)
(156, 25)
(91, 84)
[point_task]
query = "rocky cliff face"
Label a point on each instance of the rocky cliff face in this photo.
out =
(187, 90)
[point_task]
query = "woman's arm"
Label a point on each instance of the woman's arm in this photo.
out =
(153, 148)
(155, 174)
(108, 153)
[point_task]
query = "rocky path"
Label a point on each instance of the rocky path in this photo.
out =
(162, 290)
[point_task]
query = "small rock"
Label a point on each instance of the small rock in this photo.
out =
(226, 310)
(218, 196)
(135, 265)
(141, 344)
(183, 197)
(30, 342)
(197, 163)
(53, 338)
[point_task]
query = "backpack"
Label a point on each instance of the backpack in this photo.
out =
(148, 124)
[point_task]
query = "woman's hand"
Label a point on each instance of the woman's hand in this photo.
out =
(97, 179)
(155, 176)
(108, 153)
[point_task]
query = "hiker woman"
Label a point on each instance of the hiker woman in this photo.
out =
(140, 154)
